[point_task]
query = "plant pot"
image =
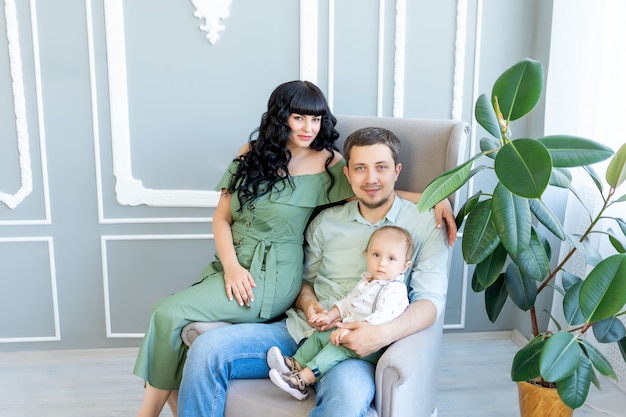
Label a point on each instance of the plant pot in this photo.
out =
(538, 401)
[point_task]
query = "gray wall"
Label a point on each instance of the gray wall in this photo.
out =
(118, 118)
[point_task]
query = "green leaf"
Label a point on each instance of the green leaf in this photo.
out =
(603, 293)
(521, 288)
(598, 360)
(490, 147)
(511, 216)
(486, 116)
(466, 208)
(594, 177)
(476, 286)
(559, 357)
(526, 361)
(524, 167)
(547, 218)
(609, 330)
(616, 242)
(495, 297)
(571, 305)
(573, 151)
(552, 318)
(574, 389)
(445, 184)
(622, 224)
(591, 253)
(519, 89)
(568, 279)
(560, 177)
(533, 261)
(616, 171)
(480, 237)
(488, 270)
(544, 242)
(622, 348)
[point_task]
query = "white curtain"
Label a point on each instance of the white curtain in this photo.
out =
(586, 96)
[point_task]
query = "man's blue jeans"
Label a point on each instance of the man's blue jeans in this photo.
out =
(239, 351)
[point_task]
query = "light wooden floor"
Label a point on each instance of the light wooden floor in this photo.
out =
(474, 382)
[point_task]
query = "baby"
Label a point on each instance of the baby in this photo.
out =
(379, 297)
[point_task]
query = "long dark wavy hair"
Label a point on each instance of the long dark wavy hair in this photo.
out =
(265, 164)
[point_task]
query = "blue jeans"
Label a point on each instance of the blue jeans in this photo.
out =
(239, 352)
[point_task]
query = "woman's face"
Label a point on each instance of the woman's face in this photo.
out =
(304, 129)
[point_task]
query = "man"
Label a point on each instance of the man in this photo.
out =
(334, 260)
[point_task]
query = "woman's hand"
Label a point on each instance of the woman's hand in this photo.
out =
(239, 283)
(443, 212)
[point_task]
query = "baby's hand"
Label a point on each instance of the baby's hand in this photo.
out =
(338, 335)
(319, 319)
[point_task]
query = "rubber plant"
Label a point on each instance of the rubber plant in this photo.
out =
(502, 239)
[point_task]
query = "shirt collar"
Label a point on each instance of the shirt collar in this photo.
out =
(390, 217)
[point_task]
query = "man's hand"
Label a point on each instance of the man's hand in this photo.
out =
(363, 338)
(313, 309)
(322, 318)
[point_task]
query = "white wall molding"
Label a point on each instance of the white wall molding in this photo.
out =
(399, 62)
(105, 273)
(53, 294)
(128, 189)
(212, 12)
(459, 59)
(308, 40)
(19, 107)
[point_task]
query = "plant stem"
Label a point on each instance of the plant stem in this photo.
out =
(582, 239)
(533, 321)
(533, 314)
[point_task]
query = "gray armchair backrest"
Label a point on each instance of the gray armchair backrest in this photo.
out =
(429, 146)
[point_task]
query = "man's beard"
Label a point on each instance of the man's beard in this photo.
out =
(375, 204)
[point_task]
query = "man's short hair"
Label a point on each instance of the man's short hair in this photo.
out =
(369, 136)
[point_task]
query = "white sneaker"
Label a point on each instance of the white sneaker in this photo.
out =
(276, 360)
(291, 383)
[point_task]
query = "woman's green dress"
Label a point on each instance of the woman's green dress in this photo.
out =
(268, 237)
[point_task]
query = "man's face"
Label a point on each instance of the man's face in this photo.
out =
(372, 174)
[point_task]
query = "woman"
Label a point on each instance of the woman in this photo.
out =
(268, 194)
(289, 167)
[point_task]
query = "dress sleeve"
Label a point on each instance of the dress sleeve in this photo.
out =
(230, 171)
(341, 189)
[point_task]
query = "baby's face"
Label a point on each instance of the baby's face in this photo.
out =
(386, 256)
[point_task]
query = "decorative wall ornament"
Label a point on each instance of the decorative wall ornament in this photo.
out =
(129, 190)
(212, 11)
(19, 106)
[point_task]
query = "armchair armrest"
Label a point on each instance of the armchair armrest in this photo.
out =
(406, 374)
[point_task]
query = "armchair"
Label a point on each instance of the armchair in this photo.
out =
(406, 374)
